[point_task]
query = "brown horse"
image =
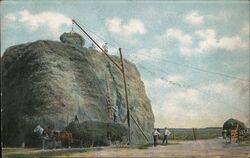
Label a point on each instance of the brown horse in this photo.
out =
(63, 136)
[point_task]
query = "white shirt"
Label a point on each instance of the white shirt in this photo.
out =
(167, 132)
(155, 133)
(105, 47)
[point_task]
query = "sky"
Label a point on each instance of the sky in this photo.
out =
(193, 56)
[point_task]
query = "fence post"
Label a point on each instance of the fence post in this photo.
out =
(173, 134)
(194, 133)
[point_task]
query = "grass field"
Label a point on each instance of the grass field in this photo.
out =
(187, 133)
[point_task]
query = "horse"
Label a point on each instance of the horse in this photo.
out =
(63, 136)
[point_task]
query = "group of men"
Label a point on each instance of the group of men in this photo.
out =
(156, 135)
(104, 47)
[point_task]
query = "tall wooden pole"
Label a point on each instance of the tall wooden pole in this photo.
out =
(126, 94)
(122, 70)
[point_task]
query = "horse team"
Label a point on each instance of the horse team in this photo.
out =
(64, 137)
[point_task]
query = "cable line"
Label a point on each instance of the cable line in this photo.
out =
(186, 86)
(200, 70)
(171, 61)
(98, 36)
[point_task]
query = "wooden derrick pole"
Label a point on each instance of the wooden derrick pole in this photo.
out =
(122, 70)
(126, 94)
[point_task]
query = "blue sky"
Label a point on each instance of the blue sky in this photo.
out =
(193, 56)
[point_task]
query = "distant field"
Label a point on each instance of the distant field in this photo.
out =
(187, 133)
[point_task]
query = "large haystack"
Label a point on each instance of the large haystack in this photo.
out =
(49, 83)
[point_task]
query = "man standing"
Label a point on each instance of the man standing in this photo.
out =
(92, 46)
(155, 134)
(76, 118)
(166, 134)
(115, 113)
(105, 47)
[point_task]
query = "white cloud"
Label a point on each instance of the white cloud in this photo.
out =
(117, 26)
(191, 108)
(135, 26)
(145, 54)
(202, 41)
(156, 83)
(217, 88)
(203, 106)
(245, 28)
(208, 33)
(231, 43)
(237, 88)
(11, 17)
(178, 108)
(52, 20)
(195, 18)
(175, 78)
(114, 25)
(190, 94)
(183, 38)
(186, 51)
(50, 23)
(179, 35)
(207, 41)
(210, 41)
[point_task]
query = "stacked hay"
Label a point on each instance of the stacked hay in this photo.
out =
(73, 39)
(49, 83)
(98, 133)
(231, 124)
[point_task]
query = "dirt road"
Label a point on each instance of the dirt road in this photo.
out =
(201, 148)
(215, 148)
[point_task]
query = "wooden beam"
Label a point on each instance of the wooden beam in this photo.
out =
(139, 128)
(126, 94)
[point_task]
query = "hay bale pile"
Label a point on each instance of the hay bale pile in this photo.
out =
(231, 124)
(98, 133)
(49, 82)
(73, 39)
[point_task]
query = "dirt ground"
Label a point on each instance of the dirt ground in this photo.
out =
(216, 148)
